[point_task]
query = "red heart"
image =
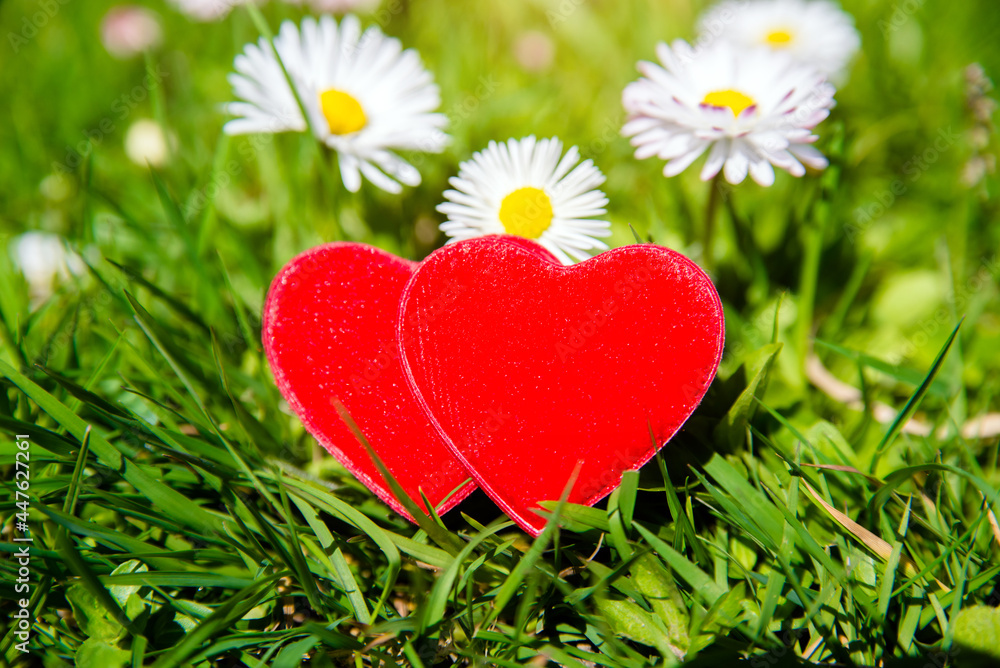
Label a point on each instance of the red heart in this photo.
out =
(527, 367)
(330, 332)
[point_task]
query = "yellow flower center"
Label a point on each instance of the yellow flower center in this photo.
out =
(342, 111)
(778, 38)
(733, 99)
(526, 212)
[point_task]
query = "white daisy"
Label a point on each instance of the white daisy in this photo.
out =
(128, 30)
(816, 33)
(147, 144)
(338, 6)
(364, 95)
(753, 107)
(208, 10)
(524, 188)
(44, 261)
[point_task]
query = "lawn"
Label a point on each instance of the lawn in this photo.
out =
(833, 500)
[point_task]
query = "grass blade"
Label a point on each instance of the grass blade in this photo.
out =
(913, 403)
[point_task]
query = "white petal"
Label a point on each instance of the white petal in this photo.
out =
(762, 172)
(810, 155)
(349, 173)
(716, 158)
(737, 165)
(679, 164)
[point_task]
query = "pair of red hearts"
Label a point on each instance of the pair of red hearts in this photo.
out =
(491, 360)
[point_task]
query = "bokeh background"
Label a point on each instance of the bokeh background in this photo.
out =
(867, 267)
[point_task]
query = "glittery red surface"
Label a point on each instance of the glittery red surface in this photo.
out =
(330, 331)
(529, 367)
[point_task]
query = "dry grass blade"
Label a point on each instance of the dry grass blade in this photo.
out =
(993, 520)
(842, 469)
(876, 545)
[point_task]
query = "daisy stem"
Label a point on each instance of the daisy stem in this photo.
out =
(809, 278)
(816, 224)
(807, 289)
(328, 169)
(324, 161)
(711, 212)
(156, 94)
(265, 30)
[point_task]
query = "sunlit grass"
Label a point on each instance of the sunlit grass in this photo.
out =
(182, 516)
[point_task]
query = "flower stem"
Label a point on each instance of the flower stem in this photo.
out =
(329, 167)
(265, 30)
(815, 227)
(807, 288)
(711, 212)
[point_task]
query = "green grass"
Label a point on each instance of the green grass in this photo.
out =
(182, 517)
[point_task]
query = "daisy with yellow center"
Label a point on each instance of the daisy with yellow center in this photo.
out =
(750, 109)
(528, 188)
(815, 33)
(363, 96)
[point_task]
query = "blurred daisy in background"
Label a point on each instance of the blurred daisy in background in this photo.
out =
(128, 30)
(43, 259)
(816, 33)
(528, 188)
(338, 6)
(748, 108)
(364, 95)
(534, 51)
(208, 10)
(146, 144)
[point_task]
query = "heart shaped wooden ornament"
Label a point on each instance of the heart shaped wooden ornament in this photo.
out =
(529, 369)
(329, 333)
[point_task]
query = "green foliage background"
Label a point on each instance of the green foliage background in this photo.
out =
(181, 517)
